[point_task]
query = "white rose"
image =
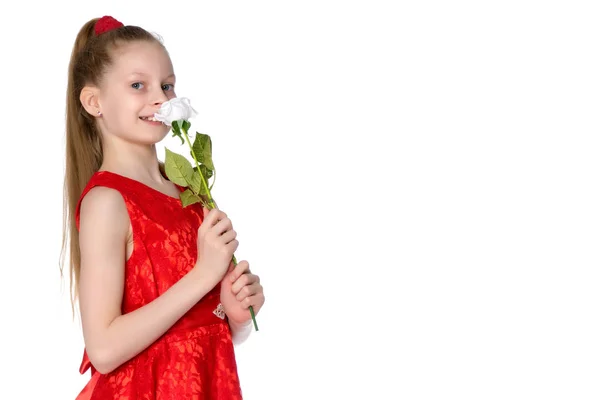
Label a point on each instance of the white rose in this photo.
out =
(174, 110)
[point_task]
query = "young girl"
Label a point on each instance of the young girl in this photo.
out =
(161, 302)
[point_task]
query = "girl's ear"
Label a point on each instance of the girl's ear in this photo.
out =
(89, 100)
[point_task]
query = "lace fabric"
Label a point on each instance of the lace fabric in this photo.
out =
(194, 359)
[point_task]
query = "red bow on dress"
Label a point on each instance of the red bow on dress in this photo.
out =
(87, 391)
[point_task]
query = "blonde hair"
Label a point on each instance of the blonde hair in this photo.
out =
(90, 57)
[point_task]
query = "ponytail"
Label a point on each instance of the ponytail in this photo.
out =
(90, 57)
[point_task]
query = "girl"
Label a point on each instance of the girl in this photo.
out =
(161, 303)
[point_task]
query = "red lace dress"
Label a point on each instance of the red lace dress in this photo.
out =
(195, 358)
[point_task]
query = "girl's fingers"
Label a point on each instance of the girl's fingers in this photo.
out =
(244, 280)
(231, 266)
(239, 270)
(249, 291)
(212, 217)
(255, 301)
(223, 226)
(228, 236)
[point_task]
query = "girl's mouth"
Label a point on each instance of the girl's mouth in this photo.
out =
(152, 121)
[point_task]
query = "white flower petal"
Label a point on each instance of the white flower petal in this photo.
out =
(162, 119)
(179, 108)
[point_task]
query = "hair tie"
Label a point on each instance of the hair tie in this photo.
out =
(105, 24)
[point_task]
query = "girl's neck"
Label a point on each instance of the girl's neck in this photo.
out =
(139, 163)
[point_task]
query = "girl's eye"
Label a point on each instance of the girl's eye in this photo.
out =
(167, 86)
(137, 85)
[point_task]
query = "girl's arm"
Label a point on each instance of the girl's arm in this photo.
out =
(111, 338)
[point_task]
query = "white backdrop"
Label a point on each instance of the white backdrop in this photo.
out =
(416, 183)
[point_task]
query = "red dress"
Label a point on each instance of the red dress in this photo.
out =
(195, 358)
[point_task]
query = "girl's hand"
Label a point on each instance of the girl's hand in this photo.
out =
(241, 289)
(216, 244)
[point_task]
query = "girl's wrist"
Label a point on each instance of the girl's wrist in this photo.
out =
(240, 330)
(203, 276)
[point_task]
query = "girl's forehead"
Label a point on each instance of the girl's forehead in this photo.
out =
(142, 58)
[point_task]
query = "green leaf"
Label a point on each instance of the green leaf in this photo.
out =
(202, 149)
(176, 131)
(175, 127)
(185, 125)
(207, 173)
(188, 197)
(178, 168)
(196, 183)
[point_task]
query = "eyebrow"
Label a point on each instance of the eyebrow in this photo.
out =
(143, 74)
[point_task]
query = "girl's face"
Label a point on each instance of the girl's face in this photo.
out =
(140, 79)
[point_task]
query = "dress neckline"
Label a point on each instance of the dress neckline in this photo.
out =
(144, 185)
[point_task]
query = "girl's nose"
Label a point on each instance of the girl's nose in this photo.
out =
(159, 98)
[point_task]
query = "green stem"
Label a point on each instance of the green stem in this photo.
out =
(187, 139)
(214, 177)
(213, 204)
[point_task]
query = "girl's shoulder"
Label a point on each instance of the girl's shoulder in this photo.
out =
(103, 207)
(103, 195)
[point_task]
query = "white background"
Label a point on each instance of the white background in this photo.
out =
(416, 183)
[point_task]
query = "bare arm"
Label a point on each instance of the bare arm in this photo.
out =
(111, 338)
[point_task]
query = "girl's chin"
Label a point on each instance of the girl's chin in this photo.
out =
(155, 126)
(153, 135)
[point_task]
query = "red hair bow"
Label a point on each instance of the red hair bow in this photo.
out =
(106, 24)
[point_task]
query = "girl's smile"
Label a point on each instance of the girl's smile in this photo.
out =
(151, 121)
